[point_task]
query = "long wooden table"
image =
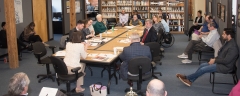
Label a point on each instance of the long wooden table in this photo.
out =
(117, 37)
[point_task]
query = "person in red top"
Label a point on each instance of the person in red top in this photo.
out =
(235, 90)
(149, 33)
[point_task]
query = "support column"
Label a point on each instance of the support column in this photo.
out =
(11, 33)
(72, 14)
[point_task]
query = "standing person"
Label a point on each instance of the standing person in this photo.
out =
(223, 63)
(157, 23)
(156, 88)
(161, 14)
(149, 33)
(134, 50)
(165, 24)
(30, 34)
(99, 26)
(135, 21)
(198, 22)
(123, 18)
(78, 28)
(74, 51)
(18, 85)
(86, 30)
(205, 44)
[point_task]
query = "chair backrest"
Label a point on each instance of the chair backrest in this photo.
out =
(111, 20)
(38, 47)
(59, 65)
(135, 63)
(154, 48)
(160, 36)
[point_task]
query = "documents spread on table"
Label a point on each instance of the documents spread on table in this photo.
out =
(101, 56)
(60, 53)
(129, 27)
(47, 91)
(124, 41)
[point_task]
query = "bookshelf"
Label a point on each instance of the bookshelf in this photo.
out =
(174, 9)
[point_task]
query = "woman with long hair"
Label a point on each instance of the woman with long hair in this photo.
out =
(88, 30)
(157, 23)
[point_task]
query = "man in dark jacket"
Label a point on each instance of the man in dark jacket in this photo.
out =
(223, 63)
(78, 28)
(149, 33)
(132, 51)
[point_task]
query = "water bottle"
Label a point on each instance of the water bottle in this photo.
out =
(112, 28)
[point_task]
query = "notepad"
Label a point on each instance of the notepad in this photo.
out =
(60, 53)
(129, 27)
(47, 91)
(94, 44)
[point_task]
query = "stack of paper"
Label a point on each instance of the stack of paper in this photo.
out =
(47, 91)
(60, 53)
(129, 27)
(125, 41)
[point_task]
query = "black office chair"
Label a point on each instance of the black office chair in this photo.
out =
(141, 66)
(204, 52)
(111, 22)
(62, 75)
(160, 40)
(234, 76)
(40, 51)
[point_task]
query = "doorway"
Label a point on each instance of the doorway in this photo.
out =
(92, 9)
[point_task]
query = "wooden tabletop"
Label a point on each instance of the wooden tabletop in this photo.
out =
(115, 33)
(114, 43)
(129, 32)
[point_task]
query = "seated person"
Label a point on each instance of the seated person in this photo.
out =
(135, 21)
(99, 26)
(235, 90)
(204, 28)
(86, 30)
(223, 63)
(205, 44)
(197, 23)
(156, 88)
(78, 28)
(134, 50)
(165, 24)
(123, 19)
(18, 85)
(30, 34)
(74, 51)
(3, 39)
(163, 15)
(135, 12)
(149, 33)
(157, 23)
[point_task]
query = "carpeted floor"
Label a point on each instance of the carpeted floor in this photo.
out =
(170, 66)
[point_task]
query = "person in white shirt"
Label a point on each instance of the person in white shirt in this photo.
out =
(123, 19)
(205, 44)
(74, 51)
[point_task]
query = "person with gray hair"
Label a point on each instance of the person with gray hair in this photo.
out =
(134, 50)
(156, 88)
(18, 85)
(149, 33)
(99, 26)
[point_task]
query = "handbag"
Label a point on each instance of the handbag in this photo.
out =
(98, 89)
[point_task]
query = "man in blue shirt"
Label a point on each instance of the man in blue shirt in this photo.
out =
(204, 29)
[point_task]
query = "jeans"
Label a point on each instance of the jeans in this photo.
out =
(203, 68)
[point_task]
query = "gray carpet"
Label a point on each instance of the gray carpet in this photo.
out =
(170, 66)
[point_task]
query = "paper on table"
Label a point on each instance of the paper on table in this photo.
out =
(94, 44)
(106, 39)
(47, 91)
(60, 53)
(129, 27)
(125, 41)
(92, 55)
(119, 48)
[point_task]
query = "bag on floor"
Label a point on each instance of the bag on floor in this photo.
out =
(98, 89)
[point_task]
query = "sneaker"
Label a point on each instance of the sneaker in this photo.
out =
(180, 75)
(185, 81)
(186, 61)
(183, 56)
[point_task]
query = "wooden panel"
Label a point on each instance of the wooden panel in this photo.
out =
(72, 14)
(40, 18)
(11, 33)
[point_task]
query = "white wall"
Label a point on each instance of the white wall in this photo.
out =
(57, 5)
(198, 5)
(234, 6)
